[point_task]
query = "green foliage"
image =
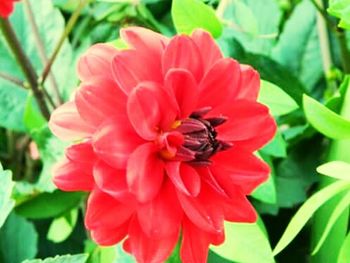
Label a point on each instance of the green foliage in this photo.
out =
(335, 169)
(344, 253)
(6, 202)
(18, 240)
(341, 10)
(81, 258)
(191, 14)
(62, 227)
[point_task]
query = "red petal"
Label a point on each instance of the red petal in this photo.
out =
(183, 53)
(144, 40)
(202, 211)
(184, 177)
(195, 244)
(103, 211)
(115, 141)
(250, 83)
(99, 99)
(112, 181)
(249, 124)
(96, 62)
(66, 123)
(145, 172)
(109, 236)
(185, 90)
(162, 216)
(149, 250)
(219, 83)
(235, 167)
(208, 48)
(130, 67)
(150, 108)
(70, 176)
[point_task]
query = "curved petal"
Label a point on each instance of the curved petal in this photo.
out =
(145, 172)
(195, 244)
(219, 83)
(145, 40)
(149, 250)
(183, 53)
(103, 211)
(250, 83)
(150, 109)
(70, 176)
(96, 62)
(115, 141)
(208, 48)
(112, 181)
(184, 177)
(184, 88)
(99, 99)
(162, 216)
(109, 236)
(66, 123)
(249, 124)
(236, 167)
(6, 8)
(130, 67)
(203, 211)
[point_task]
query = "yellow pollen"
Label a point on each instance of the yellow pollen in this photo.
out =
(165, 154)
(176, 124)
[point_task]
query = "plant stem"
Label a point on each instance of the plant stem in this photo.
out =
(319, 6)
(41, 48)
(73, 19)
(25, 65)
(345, 55)
(12, 79)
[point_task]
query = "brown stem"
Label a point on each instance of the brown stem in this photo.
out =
(12, 79)
(41, 48)
(25, 65)
(73, 19)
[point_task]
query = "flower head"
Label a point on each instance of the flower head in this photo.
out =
(6, 7)
(167, 131)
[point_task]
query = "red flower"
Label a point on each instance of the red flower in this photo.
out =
(6, 7)
(167, 132)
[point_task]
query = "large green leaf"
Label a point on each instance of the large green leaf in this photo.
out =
(80, 258)
(338, 211)
(48, 205)
(191, 14)
(307, 210)
(344, 253)
(278, 101)
(18, 240)
(341, 10)
(253, 23)
(324, 120)
(298, 47)
(246, 243)
(335, 169)
(277, 147)
(6, 186)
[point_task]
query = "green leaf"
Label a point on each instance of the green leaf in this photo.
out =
(277, 147)
(336, 169)
(325, 121)
(18, 240)
(47, 205)
(279, 102)
(344, 253)
(51, 150)
(33, 119)
(80, 258)
(191, 14)
(337, 212)
(6, 186)
(243, 239)
(298, 47)
(62, 227)
(253, 23)
(341, 10)
(307, 210)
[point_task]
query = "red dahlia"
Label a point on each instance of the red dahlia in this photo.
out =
(166, 136)
(6, 7)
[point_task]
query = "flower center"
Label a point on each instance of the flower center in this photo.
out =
(200, 141)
